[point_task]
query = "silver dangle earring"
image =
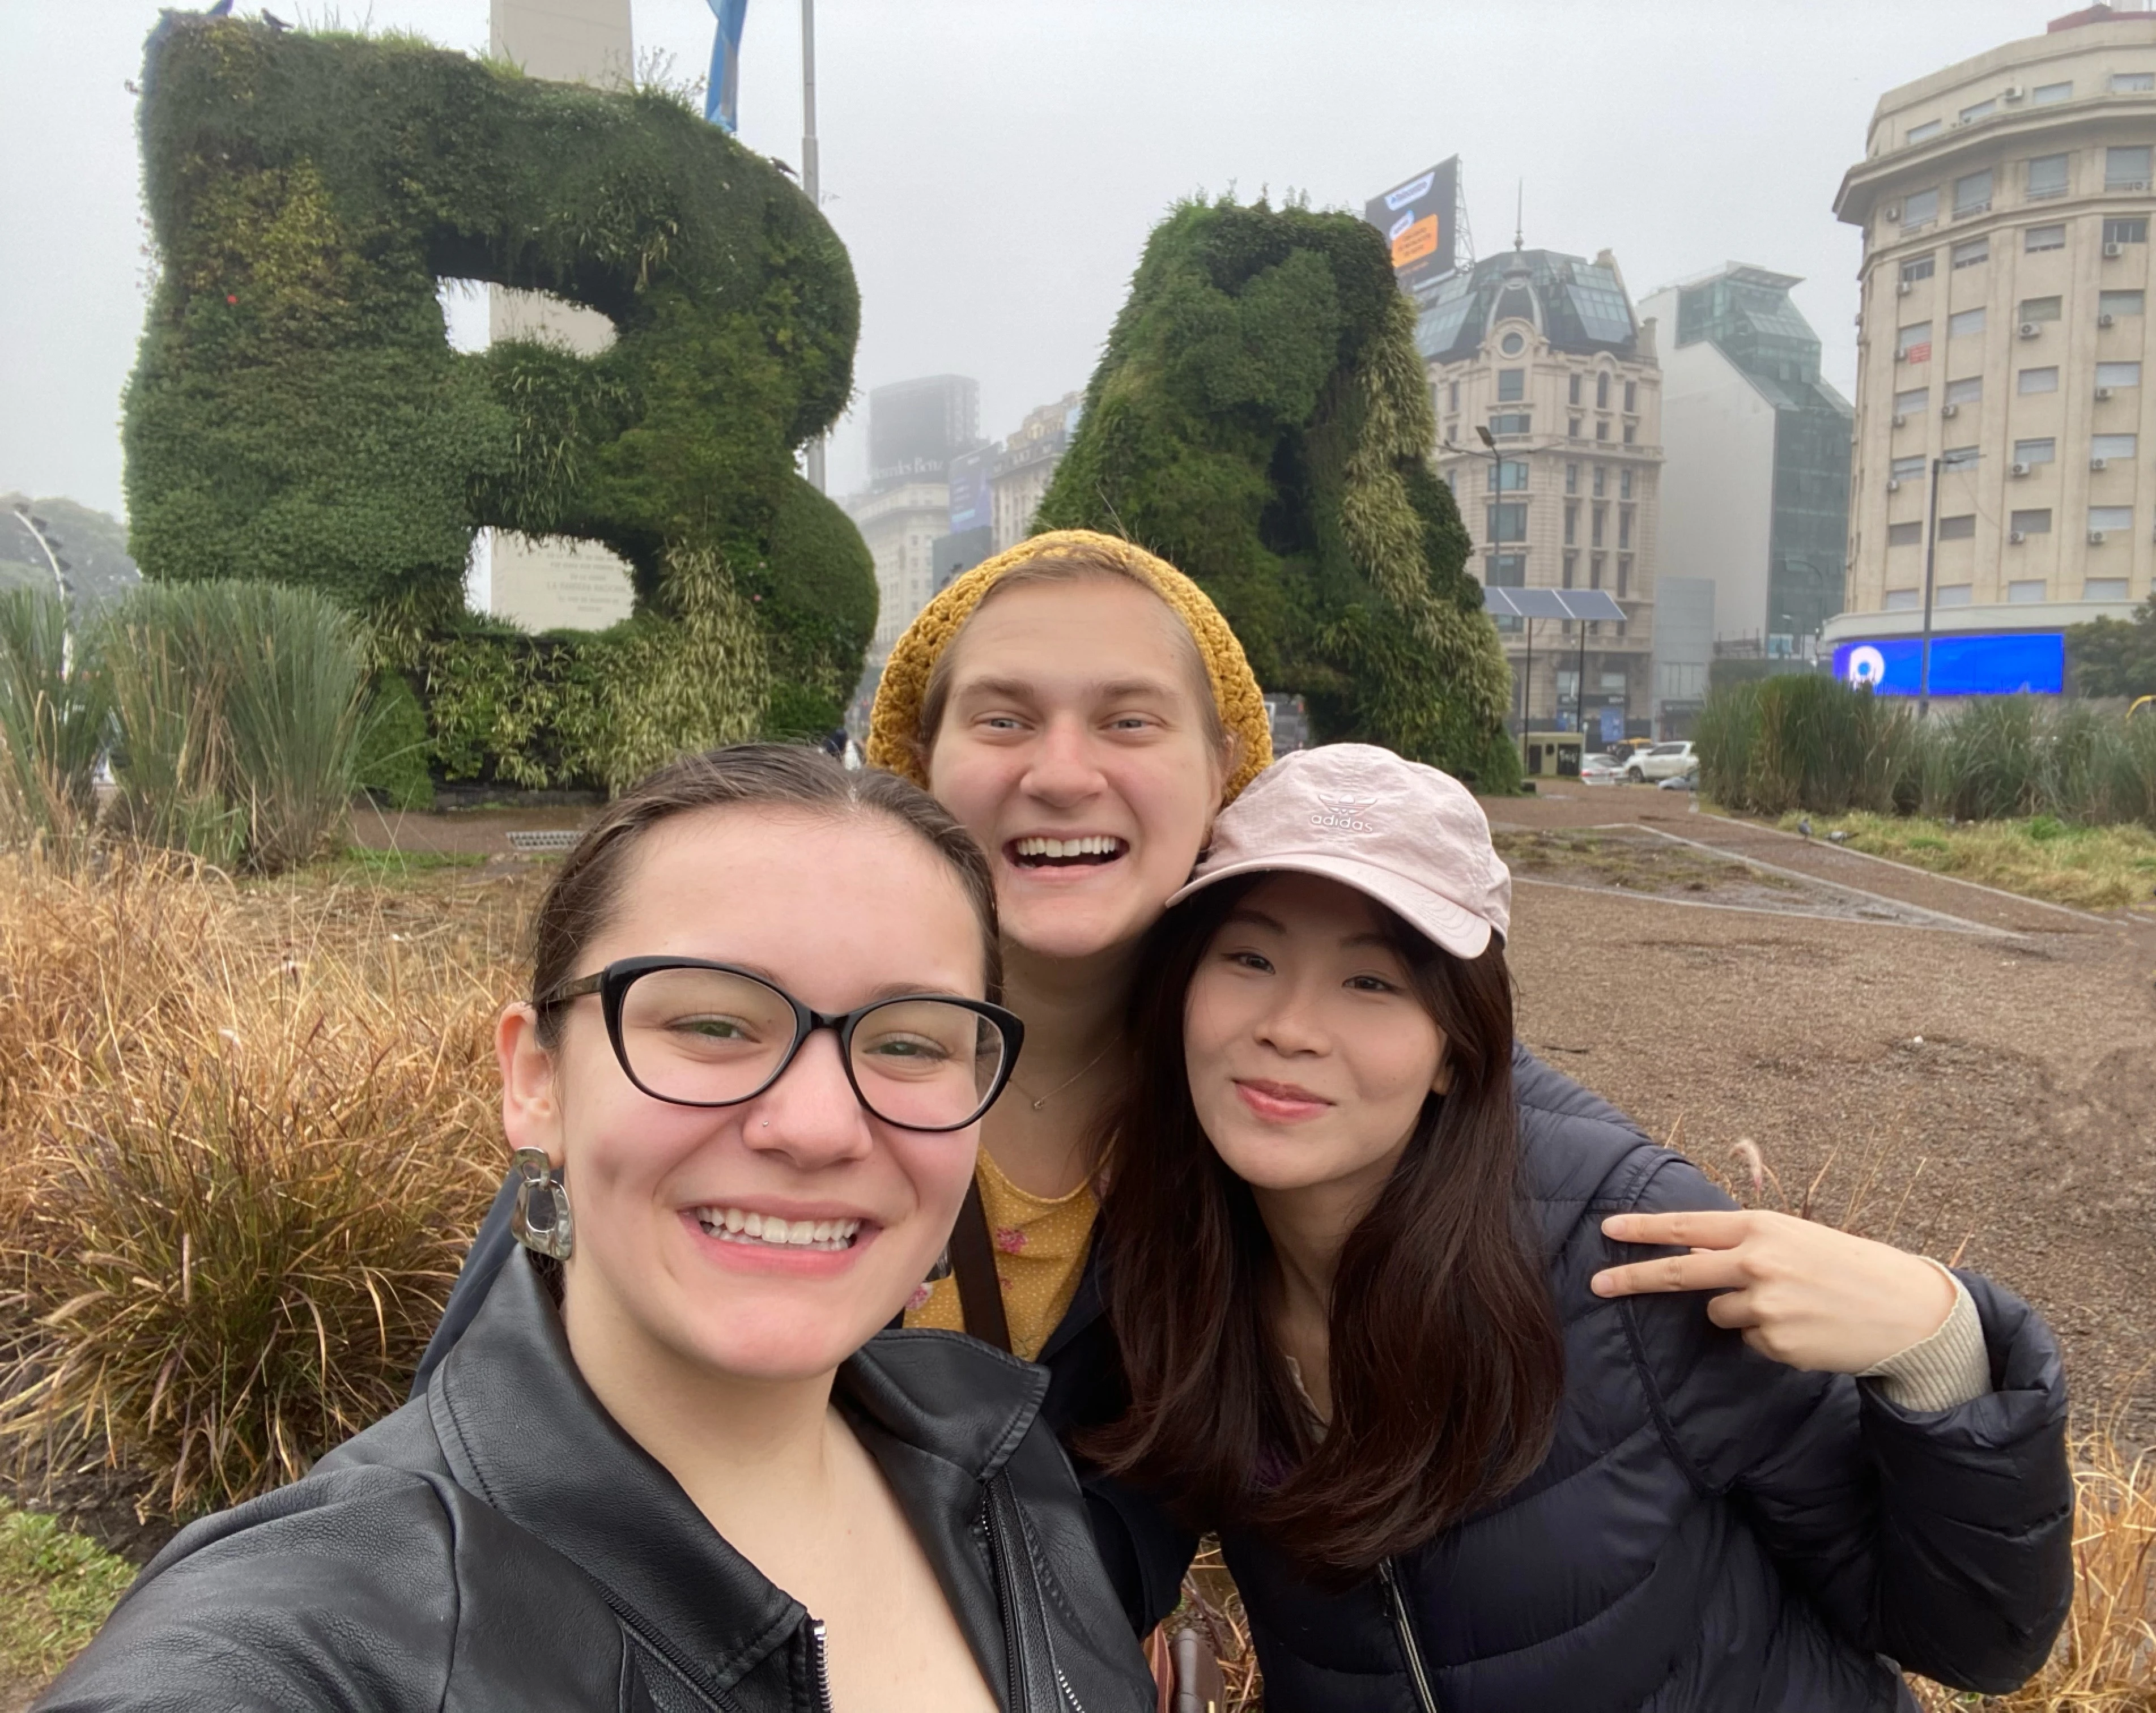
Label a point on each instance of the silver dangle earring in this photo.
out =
(541, 1220)
(942, 1270)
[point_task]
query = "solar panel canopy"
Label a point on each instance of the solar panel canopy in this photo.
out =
(1551, 604)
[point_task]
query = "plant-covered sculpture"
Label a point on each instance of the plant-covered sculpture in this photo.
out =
(1260, 419)
(296, 413)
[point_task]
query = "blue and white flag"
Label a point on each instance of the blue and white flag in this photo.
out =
(722, 89)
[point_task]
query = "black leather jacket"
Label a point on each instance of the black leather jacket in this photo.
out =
(499, 1543)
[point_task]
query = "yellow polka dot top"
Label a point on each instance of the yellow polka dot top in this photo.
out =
(1040, 1252)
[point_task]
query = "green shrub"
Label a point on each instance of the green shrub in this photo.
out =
(1799, 740)
(392, 765)
(54, 719)
(238, 712)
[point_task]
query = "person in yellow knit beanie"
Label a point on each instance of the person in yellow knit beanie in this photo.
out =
(1084, 709)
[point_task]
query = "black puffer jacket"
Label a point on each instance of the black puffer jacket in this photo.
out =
(1712, 1532)
(499, 1543)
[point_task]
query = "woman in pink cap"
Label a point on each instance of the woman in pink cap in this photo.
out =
(1494, 1403)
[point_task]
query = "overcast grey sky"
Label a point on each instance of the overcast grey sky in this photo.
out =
(993, 166)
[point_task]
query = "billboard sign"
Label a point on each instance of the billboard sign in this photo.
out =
(969, 490)
(2013, 665)
(1418, 218)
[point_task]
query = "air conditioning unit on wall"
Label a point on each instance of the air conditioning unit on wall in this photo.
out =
(2015, 538)
(2112, 252)
(1899, 419)
(2107, 320)
(1949, 410)
(2096, 538)
(2030, 330)
(2017, 469)
(2099, 464)
(1893, 484)
(2103, 393)
(1905, 288)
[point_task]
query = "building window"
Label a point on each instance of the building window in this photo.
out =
(1966, 392)
(2104, 588)
(1976, 111)
(1957, 458)
(1924, 133)
(2037, 522)
(1571, 478)
(1506, 571)
(1571, 569)
(1971, 194)
(2043, 451)
(1631, 433)
(1919, 268)
(2115, 303)
(1914, 342)
(2126, 231)
(1594, 571)
(1571, 522)
(1963, 324)
(1914, 403)
(1976, 250)
(2125, 168)
(2037, 381)
(1512, 384)
(1512, 423)
(1631, 394)
(1573, 391)
(1919, 209)
(2129, 83)
(1508, 475)
(1624, 525)
(1596, 520)
(1952, 595)
(1602, 391)
(2026, 592)
(2040, 309)
(1512, 344)
(2044, 237)
(1455, 395)
(1903, 600)
(2111, 446)
(1602, 431)
(1624, 485)
(2107, 518)
(1507, 522)
(1962, 528)
(2044, 94)
(1623, 574)
(1572, 428)
(1601, 474)
(2047, 176)
(2118, 374)
(1903, 469)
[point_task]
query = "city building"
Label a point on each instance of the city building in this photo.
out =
(557, 583)
(917, 429)
(1755, 461)
(2005, 204)
(1544, 352)
(1020, 474)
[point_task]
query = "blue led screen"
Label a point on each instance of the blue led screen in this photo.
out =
(1961, 666)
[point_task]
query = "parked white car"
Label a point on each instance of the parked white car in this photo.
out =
(1600, 769)
(1660, 761)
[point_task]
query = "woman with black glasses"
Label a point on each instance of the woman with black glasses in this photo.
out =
(672, 1464)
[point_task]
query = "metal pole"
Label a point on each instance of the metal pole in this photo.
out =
(811, 181)
(60, 582)
(1931, 541)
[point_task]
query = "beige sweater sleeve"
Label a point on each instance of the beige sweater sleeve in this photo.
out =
(1950, 1367)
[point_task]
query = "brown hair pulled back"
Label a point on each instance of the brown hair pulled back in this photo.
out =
(585, 889)
(1446, 1362)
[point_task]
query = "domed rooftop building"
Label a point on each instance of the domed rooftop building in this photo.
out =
(1541, 350)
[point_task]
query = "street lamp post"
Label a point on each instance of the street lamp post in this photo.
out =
(59, 582)
(1497, 465)
(1931, 544)
(811, 179)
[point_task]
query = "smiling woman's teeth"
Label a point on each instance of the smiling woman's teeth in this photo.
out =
(1093, 844)
(733, 1225)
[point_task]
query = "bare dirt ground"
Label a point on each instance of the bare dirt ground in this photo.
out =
(1972, 1073)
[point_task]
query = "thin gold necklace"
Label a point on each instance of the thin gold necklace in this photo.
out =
(1067, 1081)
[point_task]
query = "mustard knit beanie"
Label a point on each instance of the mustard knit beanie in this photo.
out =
(894, 722)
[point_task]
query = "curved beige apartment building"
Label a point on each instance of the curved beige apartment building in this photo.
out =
(2005, 204)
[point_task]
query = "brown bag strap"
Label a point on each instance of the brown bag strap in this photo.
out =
(974, 1266)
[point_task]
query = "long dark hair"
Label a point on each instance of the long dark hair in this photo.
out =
(1446, 1363)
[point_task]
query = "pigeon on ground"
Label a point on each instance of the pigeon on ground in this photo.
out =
(277, 25)
(1837, 837)
(1804, 826)
(219, 10)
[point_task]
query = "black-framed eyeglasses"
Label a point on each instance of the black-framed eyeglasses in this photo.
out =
(695, 1033)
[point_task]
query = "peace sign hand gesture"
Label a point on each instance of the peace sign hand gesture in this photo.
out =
(1804, 1294)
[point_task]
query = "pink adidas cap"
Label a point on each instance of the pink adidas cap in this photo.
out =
(1407, 835)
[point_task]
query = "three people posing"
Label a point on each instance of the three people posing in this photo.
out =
(1339, 1305)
